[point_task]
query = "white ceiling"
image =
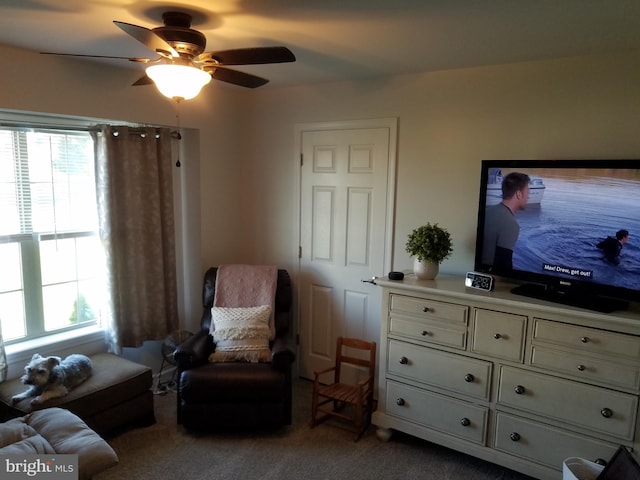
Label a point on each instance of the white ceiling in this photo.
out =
(340, 40)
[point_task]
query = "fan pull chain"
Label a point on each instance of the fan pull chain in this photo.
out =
(178, 164)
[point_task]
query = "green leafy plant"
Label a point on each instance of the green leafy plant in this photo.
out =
(430, 242)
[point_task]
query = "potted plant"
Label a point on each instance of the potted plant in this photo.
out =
(429, 244)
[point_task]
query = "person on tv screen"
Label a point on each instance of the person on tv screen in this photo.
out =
(611, 247)
(501, 229)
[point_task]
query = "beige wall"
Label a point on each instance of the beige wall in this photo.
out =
(240, 182)
(448, 122)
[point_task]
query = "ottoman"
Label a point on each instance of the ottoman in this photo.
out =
(117, 395)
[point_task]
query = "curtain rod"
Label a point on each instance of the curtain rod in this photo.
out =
(43, 126)
(140, 129)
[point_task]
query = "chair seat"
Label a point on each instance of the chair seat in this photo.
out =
(232, 381)
(340, 392)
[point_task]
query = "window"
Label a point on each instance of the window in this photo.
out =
(50, 253)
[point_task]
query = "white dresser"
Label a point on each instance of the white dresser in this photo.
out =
(516, 381)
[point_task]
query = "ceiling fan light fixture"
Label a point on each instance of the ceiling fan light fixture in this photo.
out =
(178, 81)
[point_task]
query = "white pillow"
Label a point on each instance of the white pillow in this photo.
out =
(240, 334)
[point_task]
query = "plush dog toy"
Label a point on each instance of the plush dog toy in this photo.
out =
(52, 377)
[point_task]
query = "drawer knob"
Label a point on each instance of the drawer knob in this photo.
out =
(426, 309)
(519, 389)
(404, 360)
(606, 413)
(465, 422)
(584, 339)
(515, 436)
(400, 402)
(425, 333)
(469, 378)
(497, 336)
(581, 368)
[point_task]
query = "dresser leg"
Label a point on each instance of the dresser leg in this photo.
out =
(384, 434)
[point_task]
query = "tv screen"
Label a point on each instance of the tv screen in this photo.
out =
(568, 229)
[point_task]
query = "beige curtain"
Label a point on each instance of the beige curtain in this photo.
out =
(135, 202)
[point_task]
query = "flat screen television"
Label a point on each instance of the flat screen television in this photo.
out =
(567, 248)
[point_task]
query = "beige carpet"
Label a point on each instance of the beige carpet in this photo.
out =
(296, 452)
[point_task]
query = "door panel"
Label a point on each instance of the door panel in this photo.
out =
(344, 197)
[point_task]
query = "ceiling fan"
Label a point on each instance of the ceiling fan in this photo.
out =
(182, 67)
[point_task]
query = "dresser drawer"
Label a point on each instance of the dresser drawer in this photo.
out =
(431, 309)
(499, 334)
(457, 373)
(586, 406)
(546, 444)
(585, 367)
(588, 339)
(439, 412)
(428, 332)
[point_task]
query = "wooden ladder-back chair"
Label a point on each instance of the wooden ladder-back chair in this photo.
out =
(358, 397)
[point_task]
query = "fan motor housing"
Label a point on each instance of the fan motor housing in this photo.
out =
(184, 40)
(177, 33)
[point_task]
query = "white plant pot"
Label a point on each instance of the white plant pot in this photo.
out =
(425, 270)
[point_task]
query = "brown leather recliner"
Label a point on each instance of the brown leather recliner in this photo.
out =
(235, 395)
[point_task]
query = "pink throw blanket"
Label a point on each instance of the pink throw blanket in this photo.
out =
(247, 286)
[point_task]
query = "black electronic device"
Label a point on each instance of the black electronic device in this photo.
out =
(396, 276)
(573, 206)
(481, 281)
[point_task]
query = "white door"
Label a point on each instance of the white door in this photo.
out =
(346, 199)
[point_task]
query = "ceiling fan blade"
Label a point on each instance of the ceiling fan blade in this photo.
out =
(247, 56)
(131, 59)
(148, 38)
(144, 80)
(236, 77)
